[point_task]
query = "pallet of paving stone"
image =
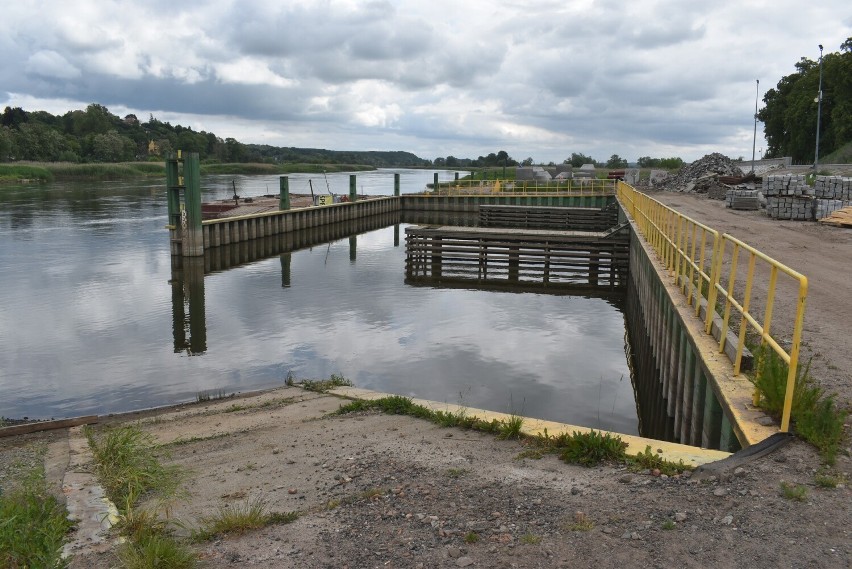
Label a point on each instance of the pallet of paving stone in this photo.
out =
(839, 218)
(743, 199)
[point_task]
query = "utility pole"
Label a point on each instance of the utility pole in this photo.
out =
(819, 111)
(754, 140)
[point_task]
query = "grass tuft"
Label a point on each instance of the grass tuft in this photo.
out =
(816, 416)
(33, 525)
(156, 551)
(471, 537)
(530, 539)
(511, 429)
(795, 492)
(237, 519)
(592, 448)
(128, 467)
(325, 385)
(651, 461)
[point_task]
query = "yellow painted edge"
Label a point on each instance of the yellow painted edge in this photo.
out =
(693, 456)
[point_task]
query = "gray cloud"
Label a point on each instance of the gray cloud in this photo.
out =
(541, 78)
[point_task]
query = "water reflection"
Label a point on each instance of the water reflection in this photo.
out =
(456, 342)
(188, 313)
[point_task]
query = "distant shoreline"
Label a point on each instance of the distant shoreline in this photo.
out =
(38, 172)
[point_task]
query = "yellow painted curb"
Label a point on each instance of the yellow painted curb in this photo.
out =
(690, 455)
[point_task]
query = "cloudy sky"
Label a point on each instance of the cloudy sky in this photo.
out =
(539, 78)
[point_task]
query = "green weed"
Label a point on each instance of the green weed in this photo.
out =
(651, 461)
(33, 525)
(794, 492)
(592, 448)
(828, 481)
(511, 429)
(156, 551)
(669, 524)
(816, 416)
(456, 472)
(237, 519)
(530, 539)
(128, 467)
(325, 385)
(471, 537)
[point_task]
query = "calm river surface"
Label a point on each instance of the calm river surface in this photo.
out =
(87, 316)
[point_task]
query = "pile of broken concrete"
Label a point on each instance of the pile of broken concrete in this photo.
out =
(707, 175)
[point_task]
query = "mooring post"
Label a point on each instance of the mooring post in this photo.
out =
(192, 235)
(353, 193)
(353, 248)
(396, 235)
(457, 178)
(285, 269)
(435, 185)
(396, 184)
(284, 193)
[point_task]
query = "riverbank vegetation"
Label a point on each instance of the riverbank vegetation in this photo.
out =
(11, 173)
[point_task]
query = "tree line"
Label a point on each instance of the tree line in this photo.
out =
(97, 135)
(576, 160)
(790, 113)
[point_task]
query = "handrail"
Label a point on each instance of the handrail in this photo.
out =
(682, 245)
(574, 187)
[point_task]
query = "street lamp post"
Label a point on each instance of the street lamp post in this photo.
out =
(819, 111)
(754, 140)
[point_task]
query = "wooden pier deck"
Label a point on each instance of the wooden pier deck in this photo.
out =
(454, 255)
(539, 217)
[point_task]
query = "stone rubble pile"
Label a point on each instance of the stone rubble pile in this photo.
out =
(700, 173)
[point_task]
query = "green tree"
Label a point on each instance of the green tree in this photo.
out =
(577, 159)
(112, 147)
(616, 161)
(6, 145)
(790, 111)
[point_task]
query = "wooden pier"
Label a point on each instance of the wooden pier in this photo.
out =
(490, 256)
(560, 218)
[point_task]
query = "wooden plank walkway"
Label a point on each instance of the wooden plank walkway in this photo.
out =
(538, 217)
(483, 255)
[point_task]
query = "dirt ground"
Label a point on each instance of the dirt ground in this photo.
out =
(390, 491)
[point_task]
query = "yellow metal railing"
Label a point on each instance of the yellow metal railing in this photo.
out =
(578, 187)
(689, 249)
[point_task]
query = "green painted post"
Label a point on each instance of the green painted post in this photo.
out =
(457, 178)
(396, 185)
(396, 235)
(193, 237)
(173, 190)
(353, 247)
(353, 193)
(286, 261)
(284, 193)
(435, 178)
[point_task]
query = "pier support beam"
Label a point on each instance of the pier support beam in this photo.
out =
(353, 191)
(396, 185)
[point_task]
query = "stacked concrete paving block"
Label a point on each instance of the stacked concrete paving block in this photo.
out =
(788, 197)
(832, 193)
(742, 198)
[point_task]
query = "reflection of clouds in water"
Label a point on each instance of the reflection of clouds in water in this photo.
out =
(557, 355)
(100, 337)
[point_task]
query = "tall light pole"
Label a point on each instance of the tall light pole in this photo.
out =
(819, 110)
(754, 141)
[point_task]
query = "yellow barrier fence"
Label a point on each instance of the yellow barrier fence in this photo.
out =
(574, 187)
(689, 249)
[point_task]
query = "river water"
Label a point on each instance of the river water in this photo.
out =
(94, 319)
